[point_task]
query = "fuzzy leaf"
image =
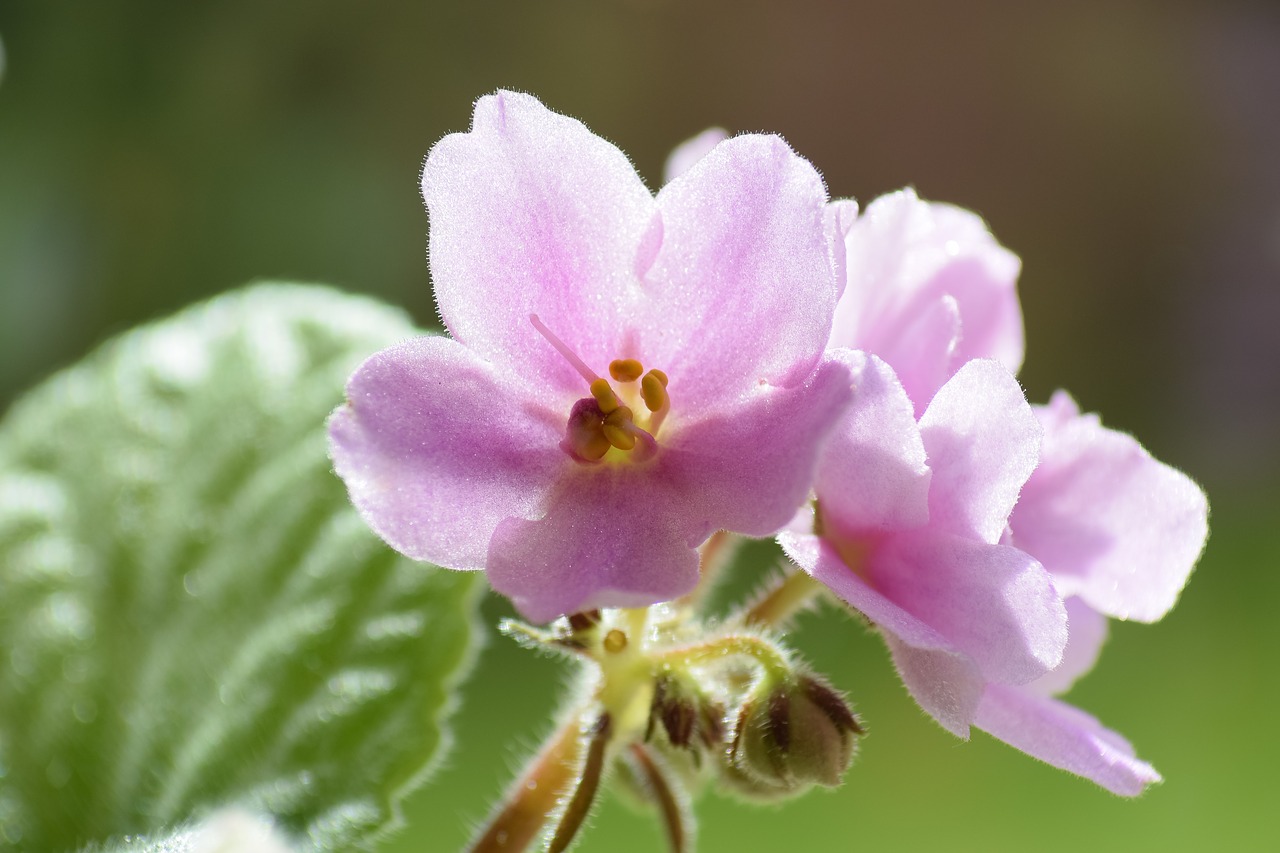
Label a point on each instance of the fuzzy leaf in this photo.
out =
(192, 614)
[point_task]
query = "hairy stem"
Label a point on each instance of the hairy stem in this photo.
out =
(588, 784)
(782, 601)
(671, 804)
(524, 810)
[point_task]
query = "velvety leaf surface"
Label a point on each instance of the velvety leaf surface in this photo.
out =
(192, 614)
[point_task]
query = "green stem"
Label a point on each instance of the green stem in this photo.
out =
(783, 601)
(766, 654)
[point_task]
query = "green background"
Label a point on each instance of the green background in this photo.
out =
(154, 153)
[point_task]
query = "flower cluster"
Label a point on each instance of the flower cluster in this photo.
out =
(627, 373)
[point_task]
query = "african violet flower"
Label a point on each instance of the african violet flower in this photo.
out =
(626, 374)
(907, 529)
(926, 288)
(1120, 533)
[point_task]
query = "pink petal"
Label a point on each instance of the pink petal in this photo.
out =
(839, 216)
(983, 442)
(437, 447)
(942, 679)
(532, 213)
(992, 602)
(872, 475)
(955, 613)
(610, 538)
(1115, 526)
(622, 535)
(904, 255)
(926, 353)
(741, 289)
(750, 466)
(1087, 633)
(1065, 737)
(691, 151)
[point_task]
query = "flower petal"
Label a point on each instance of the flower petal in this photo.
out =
(1065, 737)
(1112, 524)
(905, 254)
(838, 218)
(610, 538)
(750, 466)
(994, 603)
(942, 679)
(926, 352)
(872, 475)
(684, 155)
(530, 213)
(1087, 633)
(983, 441)
(741, 289)
(436, 447)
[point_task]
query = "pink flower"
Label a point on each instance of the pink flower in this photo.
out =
(1120, 533)
(908, 528)
(626, 374)
(926, 288)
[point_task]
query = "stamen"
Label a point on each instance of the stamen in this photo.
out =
(563, 348)
(605, 398)
(646, 444)
(618, 428)
(625, 369)
(584, 436)
(653, 388)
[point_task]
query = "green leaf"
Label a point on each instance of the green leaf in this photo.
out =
(192, 613)
(228, 831)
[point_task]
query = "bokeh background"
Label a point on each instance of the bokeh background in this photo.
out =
(154, 153)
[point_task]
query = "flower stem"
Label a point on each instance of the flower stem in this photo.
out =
(782, 601)
(767, 655)
(584, 795)
(535, 793)
(673, 806)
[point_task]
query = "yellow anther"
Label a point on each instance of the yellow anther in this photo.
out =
(615, 641)
(593, 447)
(653, 388)
(605, 398)
(618, 430)
(619, 417)
(625, 369)
(584, 434)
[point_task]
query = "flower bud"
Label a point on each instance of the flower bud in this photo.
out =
(790, 737)
(689, 718)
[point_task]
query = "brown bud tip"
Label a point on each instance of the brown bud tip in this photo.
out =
(584, 620)
(831, 703)
(779, 719)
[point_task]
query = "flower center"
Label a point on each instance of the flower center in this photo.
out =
(603, 421)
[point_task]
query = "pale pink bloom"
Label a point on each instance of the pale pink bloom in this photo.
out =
(501, 448)
(910, 517)
(684, 155)
(927, 289)
(1120, 533)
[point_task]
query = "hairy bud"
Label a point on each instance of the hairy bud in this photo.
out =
(790, 737)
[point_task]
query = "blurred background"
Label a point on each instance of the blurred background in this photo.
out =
(155, 153)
